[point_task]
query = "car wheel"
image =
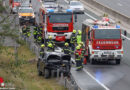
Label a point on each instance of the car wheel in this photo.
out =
(39, 72)
(46, 73)
(118, 61)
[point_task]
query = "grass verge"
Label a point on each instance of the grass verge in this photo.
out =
(24, 75)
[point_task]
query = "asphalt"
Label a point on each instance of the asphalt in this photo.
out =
(121, 6)
(114, 77)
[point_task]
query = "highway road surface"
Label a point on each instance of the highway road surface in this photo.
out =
(122, 6)
(105, 76)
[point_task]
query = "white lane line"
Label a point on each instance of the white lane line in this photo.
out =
(119, 4)
(125, 37)
(105, 87)
(66, 1)
(90, 16)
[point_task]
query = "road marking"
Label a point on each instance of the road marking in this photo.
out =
(125, 37)
(90, 16)
(66, 1)
(119, 4)
(105, 87)
(96, 79)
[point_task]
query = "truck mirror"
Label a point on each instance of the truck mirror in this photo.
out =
(125, 33)
(75, 17)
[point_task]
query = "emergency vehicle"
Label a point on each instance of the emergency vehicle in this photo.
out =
(14, 4)
(103, 40)
(57, 23)
(26, 15)
(2, 82)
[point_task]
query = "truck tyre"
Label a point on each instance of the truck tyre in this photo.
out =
(118, 61)
(46, 73)
(92, 61)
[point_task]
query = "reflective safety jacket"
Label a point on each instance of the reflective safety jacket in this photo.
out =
(73, 38)
(77, 55)
(79, 37)
(66, 50)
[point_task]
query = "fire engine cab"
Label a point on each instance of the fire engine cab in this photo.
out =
(57, 23)
(103, 41)
(14, 4)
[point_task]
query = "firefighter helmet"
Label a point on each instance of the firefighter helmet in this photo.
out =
(42, 46)
(66, 44)
(50, 37)
(79, 32)
(78, 47)
(74, 31)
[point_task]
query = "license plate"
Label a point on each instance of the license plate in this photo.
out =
(26, 18)
(107, 52)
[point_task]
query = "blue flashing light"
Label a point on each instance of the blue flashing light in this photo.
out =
(117, 26)
(69, 10)
(50, 10)
(95, 26)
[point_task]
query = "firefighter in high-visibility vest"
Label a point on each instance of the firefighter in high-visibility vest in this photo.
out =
(50, 47)
(24, 30)
(39, 39)
(28, 33)
(73, 40)
(50, 40)
(35, 32)
(79, 37)
(66, 49)
(78, 59)
(42, 50)
(82, 49)
(40, 28)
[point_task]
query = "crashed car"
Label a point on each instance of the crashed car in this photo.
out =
(53, 62)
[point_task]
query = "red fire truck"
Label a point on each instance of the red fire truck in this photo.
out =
(103, 41)
(14, 4)
(57, 23)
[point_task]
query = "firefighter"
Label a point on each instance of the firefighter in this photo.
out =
(40, 28)
(42, 50)
(50, 47)
(50, 40)
(66, 49)
(35, 32)
(79, 37)
(24, 30)
(82, 49)
(78, 59)
(73, 40)
(39, 39)
(28, 33)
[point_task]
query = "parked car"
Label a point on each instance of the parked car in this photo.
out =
(53, 61)
(76, 7)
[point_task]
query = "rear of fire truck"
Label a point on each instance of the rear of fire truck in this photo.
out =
(14, 4)
(103, 41)
(57, 23)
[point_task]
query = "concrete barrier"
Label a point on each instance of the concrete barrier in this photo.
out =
(117, 15)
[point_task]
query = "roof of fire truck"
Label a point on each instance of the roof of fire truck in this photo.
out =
(101, 24)
(57, 10)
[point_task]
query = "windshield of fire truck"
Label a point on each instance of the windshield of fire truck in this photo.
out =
(107, 34)
(60, 18)
(17, 0)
